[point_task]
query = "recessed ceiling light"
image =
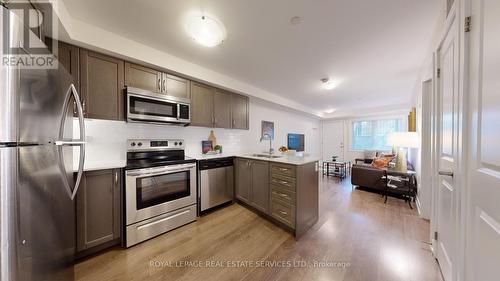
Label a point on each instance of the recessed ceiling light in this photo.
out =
(327, 84)
(296, 20)
(206, 31)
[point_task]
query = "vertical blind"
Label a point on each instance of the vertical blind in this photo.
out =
(372, 134)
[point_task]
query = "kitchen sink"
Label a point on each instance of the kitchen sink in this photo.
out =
(266, 156)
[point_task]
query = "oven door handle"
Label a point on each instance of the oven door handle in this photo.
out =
(157, 173)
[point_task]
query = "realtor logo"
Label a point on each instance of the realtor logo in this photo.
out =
(25, 25)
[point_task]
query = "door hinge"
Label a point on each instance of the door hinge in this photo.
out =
(435, 235)
(439, 72)
(467, 24)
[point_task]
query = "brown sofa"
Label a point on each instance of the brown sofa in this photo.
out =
(367, 176)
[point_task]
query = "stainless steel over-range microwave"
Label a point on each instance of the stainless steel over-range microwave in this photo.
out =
(151, 107)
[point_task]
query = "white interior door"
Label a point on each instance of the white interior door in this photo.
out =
(483, 208)
(333, 140)
(447, 152)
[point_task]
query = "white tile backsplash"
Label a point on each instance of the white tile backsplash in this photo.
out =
(106, 140)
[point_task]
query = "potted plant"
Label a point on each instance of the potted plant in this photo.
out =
(218, 148)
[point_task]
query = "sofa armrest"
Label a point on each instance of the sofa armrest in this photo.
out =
(367, 176)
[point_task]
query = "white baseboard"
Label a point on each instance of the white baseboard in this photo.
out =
(417, 202)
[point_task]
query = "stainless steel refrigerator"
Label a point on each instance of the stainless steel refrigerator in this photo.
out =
(37, 178)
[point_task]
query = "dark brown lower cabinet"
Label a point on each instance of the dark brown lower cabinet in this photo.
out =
(289, 194)
(259, 196)
(243, 179)
(98, 210)
(252, 183)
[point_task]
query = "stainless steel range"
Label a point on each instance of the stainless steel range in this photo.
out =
(160, 188)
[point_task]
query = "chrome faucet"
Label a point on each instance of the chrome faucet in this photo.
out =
(271, 150)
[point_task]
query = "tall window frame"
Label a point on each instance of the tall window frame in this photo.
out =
(371, 133)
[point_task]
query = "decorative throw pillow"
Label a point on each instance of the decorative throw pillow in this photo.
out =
(382, 162)
(386, 155)
(370, 154)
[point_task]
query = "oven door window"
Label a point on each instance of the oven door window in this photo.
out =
(150, 107)
(159, 189)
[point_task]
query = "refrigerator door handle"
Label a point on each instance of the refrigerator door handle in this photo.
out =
(71, 92)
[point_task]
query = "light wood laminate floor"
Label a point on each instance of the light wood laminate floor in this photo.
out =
(378, 241)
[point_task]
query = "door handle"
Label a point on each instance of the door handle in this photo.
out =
(446, 173)
(159, 84)
(84, 110)
(71, 92)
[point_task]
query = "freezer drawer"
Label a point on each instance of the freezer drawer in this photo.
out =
(216, 187)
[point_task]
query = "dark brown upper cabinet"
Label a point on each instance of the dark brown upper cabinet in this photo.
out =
(222, 109)
(240, 112)
(101, 85)
(202, 97)
(212, 107)
(69, 57)
(153, 80)
(176, 86)
(98, 209)
(143, 77)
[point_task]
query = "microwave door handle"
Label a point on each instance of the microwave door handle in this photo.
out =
(178, 111)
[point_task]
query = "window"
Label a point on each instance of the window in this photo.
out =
(372, 134)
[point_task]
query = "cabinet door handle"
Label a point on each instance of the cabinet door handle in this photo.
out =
(281, 182)
(234, 122)
(165, 85)
(84, 109)
(116, 177)
(159, 84)
(282, 195)
(283, 169)
(446, 173)
(283, 213)
(74, 108)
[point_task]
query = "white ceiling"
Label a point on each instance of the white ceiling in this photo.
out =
(373, 48)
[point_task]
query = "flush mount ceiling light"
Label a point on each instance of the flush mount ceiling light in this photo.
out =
(327, 84)
(329, 111)
(206, 31)
(296, 20)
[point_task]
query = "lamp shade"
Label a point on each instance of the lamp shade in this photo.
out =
(404, 139)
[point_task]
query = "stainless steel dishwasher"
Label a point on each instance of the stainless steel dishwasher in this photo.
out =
(216, 182)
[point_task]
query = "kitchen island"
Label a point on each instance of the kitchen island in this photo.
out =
(283, 189)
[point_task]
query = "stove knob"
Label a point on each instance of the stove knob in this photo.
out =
(180, 143)
(132, 144)
(139, 144)
(175, 143)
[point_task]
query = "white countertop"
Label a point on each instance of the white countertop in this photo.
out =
(105, 164)
(101, 165)
(212, 156)
(286, 159)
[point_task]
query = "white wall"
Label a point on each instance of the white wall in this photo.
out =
(422, 155)
(107, 139)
